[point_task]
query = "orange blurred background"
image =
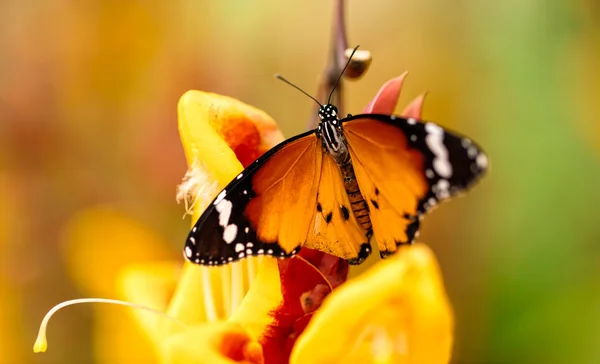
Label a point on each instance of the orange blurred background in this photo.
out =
(90, 154)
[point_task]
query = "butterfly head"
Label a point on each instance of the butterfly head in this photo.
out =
(328, 113)
(330, 131)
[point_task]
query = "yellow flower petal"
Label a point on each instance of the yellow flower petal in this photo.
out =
(263, 296)
(216, 343)
(396, 312)
(219, 135)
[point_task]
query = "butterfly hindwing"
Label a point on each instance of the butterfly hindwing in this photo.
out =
(335, 229)
(263, 210)
(404, 167)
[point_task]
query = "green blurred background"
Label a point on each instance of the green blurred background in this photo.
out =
(90, 154)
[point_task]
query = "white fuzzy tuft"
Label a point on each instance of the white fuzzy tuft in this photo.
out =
(198, 186)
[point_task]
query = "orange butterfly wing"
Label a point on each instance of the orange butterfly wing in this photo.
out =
(267, 209)
(285, 191)
(405, 167)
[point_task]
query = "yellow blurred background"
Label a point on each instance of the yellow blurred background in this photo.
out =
(90, 154)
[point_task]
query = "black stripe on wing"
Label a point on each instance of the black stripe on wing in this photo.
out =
(223, 234)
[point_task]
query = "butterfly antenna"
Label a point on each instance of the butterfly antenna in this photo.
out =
(279, 77)
(342, 73)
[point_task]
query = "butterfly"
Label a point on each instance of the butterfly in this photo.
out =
(336, 188)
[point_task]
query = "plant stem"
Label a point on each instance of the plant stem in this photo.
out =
(336, 62)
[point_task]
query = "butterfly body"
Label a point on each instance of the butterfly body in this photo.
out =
(335, 188)
(330, 131)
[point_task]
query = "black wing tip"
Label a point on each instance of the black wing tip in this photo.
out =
(468, 162)
(478, 165)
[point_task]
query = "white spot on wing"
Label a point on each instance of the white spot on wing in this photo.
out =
(224, 209)
(472, 152)
(442, 167)
(411, 121)
(435, 142)
(220, 197)
(188, 252)
(482, 161)
(432, 202)
(230, 233)
(443, 185)
(443, 189)
(239, 176)
(192, 240)
(239, 247)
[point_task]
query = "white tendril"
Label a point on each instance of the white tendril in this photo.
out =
(41, 344)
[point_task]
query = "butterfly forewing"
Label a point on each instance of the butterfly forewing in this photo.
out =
(404, 167)
(267, 209)
(285, 191)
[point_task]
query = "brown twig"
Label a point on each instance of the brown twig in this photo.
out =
(339, 53)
